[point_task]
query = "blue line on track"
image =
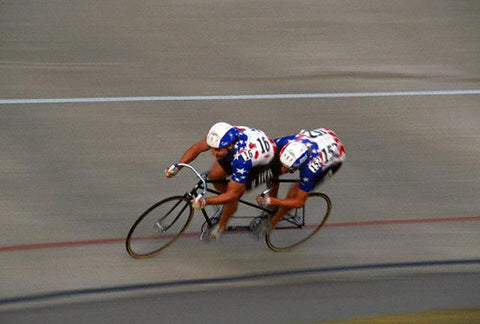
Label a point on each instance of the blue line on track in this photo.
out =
(243, 97)
(232, 279)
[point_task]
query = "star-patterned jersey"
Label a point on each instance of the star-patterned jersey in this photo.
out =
(253, 148)
(326, 150)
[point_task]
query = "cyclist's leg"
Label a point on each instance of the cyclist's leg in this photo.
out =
(219, 171)
(274, 187)
(282, 211)
(275, 168)
(229, 209)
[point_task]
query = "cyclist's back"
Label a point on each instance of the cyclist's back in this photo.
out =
(253, 151)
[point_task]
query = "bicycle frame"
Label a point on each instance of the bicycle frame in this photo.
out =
(202, 184)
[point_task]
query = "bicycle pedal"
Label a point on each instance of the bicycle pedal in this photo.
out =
(205, 234)
(204, 237)
(260, 229)
(255, 222)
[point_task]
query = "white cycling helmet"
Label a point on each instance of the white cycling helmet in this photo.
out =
(221, 135)
(294, 154)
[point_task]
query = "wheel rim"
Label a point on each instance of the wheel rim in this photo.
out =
(293, 231)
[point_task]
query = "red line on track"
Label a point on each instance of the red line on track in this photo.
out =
(38, 246)
(406, 221)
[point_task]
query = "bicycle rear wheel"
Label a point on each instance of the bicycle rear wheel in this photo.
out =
(159, 227)
(299, 224)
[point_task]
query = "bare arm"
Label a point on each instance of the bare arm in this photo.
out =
(234, 191)
(295, 199)
(193, 151)
(191, 154)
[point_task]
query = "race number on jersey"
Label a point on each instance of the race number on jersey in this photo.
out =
(329, 147)
(257, 146)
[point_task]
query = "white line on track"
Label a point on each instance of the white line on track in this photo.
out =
(243, 97)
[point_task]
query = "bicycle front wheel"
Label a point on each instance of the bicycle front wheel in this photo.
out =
(159, 227)
(299, 224)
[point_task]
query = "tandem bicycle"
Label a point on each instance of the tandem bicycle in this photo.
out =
(164, 222)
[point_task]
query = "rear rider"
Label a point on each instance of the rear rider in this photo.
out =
(317, 154)
(242, 152)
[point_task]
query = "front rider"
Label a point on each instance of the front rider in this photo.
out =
(241, 152)
(317, 154)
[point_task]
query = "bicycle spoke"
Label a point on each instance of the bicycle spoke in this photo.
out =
(159, 227)
(176, 218)
(168, 213)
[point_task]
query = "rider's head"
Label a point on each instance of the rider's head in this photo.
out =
(294, 155)
(221, 135)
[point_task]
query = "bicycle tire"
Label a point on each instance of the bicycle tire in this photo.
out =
(164, 210)
(278, 247)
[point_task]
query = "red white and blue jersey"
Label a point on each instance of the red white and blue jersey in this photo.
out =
(326, 150)
(252, 148)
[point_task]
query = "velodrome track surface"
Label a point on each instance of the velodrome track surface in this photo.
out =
(404, 232)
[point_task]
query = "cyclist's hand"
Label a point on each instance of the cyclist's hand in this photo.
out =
(171, 171)
(198, 202)
(263, 200)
